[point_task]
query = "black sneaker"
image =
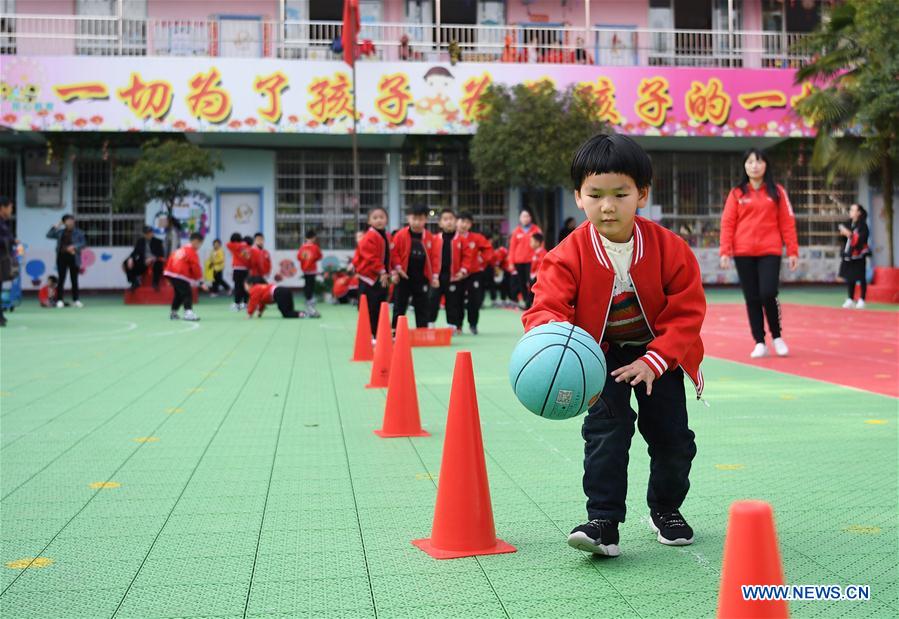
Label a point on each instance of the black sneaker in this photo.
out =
(671, 528)
(474, 330)
(597, 536)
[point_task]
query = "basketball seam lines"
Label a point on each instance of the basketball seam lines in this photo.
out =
(556, 373)
(547, 347)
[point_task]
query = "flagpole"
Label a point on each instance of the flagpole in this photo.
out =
(356, 192)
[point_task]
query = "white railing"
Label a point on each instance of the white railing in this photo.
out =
(110, 36)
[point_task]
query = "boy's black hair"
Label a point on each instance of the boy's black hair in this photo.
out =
(148, 229)
(767, 179)
(67, 217)
(447, 210)
(255, 279)
(5, 200)
(537, 237)
(377, 208)
(219, 241)
(235, 237)
(258, 234)
(611, 153)
(52, 278)
(418, 209)
(467, 216)
(196, 236)
(248, 240)
(311, 233)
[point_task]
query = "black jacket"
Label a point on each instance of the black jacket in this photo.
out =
(137, 254)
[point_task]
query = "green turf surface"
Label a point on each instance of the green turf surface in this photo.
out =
(244, 479)
(826, 296)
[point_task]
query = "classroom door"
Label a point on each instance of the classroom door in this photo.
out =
(241, 212)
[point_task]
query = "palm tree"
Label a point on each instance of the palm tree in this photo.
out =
(856, 108)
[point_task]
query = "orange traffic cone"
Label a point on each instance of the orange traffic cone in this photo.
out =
(380, 369)
(463, 516)
(363, 351)
(401, 416)
(751, 557)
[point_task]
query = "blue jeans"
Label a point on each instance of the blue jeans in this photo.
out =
(609, 427)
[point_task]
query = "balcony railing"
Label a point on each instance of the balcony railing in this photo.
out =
(244, 37)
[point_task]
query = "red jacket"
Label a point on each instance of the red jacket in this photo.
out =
(537, 260)
(260, 262)
(753, 225)
(240, 255)
(576, 281)
(369, 258)
(501, 258)
(184, 263)
(401, 248)
(309, 254)
(483, 252)
(260, 296)
(47, 296)
(520, 251)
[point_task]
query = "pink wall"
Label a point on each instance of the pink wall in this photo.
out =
(60, 47)
(46, 7)
(175, 9)
(606, 12)
(394, 11)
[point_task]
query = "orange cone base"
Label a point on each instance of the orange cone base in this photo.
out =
(499, 548)
(376, 386)
(383, 434)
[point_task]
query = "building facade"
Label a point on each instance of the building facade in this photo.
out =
(86, 82)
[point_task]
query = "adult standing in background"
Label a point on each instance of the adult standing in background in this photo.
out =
(7, 248)
(855, 253)
(70, 240)
(148, 250)
(757, 222)
(521, 253)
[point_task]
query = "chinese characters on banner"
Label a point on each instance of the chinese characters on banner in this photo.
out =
(219, 94)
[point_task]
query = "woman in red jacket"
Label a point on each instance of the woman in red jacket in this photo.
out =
(520, 255)
(756, 224)
(372, 264)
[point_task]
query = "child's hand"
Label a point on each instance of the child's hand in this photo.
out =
(635, 373)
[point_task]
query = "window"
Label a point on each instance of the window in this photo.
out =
(93, 206)
(315, 191)
(691, 189)
(7, 27)
(445, 179)
(98, 28)
(8, 185)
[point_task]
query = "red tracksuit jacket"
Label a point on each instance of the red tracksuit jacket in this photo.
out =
(401, 248)
(483, 251)
(260, 296)
(463, 256)
(537, 260)
(753, 225)
(260, 262)
(369, 258)
(309, 254)
(576, 281)
(240, 255)
(500, 258)
(184, 263)
(520, 244)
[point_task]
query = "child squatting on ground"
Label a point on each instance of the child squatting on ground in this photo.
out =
(636, 288)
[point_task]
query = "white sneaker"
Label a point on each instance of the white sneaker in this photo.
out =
(190, 316)
(759, 351)
(79, 304)
(60, 303)
(780, 347)
(241, 307)
(860, 304)
(848, 303)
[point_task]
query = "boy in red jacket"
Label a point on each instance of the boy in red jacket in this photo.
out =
(48, 293)
(539, 253)
(184, 272)
(481, 256)
(260, 259)
(463, 262)
(240, 264)
(636, 288)
(442, 249)
(414, 267)
(309, 255)
(262, 293)
(372, 264)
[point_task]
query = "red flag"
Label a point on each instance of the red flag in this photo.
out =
(350, 30)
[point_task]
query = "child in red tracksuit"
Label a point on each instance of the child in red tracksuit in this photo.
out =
(184, 271)
(262, 293)
(636, 288)
(372, 264)
(463, 262)
(539, 254)
(260, 259)
(308, 256)
(240, 264)
(482, 255)
(414, 267)
(47, 295)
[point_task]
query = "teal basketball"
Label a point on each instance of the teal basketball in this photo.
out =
(557, 370)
